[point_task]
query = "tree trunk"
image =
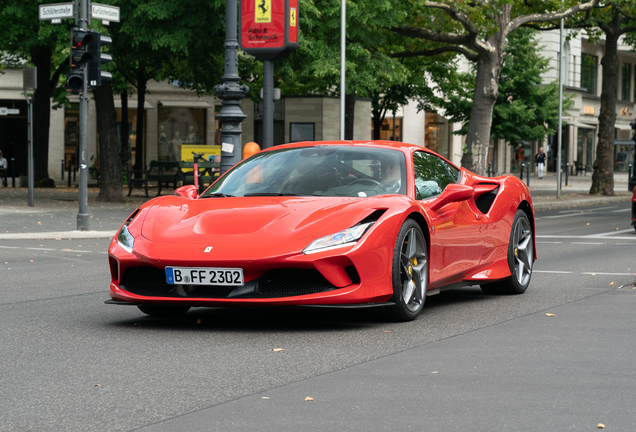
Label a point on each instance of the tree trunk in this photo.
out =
(350, 107)
(124, 155)
(141, 100)
(603, 176)
(41, 57)
(486, 93)
(109, 169)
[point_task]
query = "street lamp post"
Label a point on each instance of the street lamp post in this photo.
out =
(231, 92)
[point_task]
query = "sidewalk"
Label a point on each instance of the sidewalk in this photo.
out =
(54, 214)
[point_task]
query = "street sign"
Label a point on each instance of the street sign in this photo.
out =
(56, 11)
(105, 12)
(5, 111)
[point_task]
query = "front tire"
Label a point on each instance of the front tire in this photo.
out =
(410, 273)
(162, 311)
(520, 259)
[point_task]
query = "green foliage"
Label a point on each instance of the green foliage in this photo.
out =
(525, 110)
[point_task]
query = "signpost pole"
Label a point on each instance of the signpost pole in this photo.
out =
(268, 103)
(343, 36)
(29, 82)
(83, 217)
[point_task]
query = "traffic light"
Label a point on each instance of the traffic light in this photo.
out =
(80, 41)
(95, 73)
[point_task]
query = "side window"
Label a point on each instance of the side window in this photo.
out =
(432, 174)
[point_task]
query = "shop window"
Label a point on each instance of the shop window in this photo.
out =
(589, 64)
(585, 147)
(386, 129)
(623, 157)
(178, 126)
(71, 135)
(128, 149)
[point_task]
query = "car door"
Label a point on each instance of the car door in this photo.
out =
(456, 244)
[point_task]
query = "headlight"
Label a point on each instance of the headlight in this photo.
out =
(347, 237)
(125, 239)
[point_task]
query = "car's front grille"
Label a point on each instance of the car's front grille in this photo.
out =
(151, 281)
(292, 282)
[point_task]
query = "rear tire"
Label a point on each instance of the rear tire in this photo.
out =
(520, 259)
(410, 273)
(162, 311)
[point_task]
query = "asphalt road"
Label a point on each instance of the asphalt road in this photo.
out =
(469, 362)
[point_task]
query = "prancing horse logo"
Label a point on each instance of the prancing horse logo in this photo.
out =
(208, 249)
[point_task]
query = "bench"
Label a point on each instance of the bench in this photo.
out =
(162, 172)
(579, 167)
(208, 172)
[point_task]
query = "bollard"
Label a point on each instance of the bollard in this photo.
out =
(62, 169)
(521, 171)
(567, 172)
(13, 172)
(630, 180)
(69, 174)
(489, 172)
(528, 175)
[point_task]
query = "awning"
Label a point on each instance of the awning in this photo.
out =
(184, 104)
(622, 126)
(623, 142)
(132, 104)
(582, 125)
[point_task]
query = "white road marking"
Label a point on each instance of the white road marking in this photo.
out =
(587, 243)
(540, 242)
(580, 213)
(10, 247)
(622, 210)
(44, 249)
(551, 271)
(608, 274)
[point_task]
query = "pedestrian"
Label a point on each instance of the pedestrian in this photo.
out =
(540, 160)
(3, 169)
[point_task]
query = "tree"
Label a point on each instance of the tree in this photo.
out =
(479, 30)
(156, 40)
(371, 71)
(46, 46)
(525, 110)
(614, 19)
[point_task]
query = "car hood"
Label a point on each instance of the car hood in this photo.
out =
(250, 220)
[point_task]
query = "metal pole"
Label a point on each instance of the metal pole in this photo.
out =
(560, 132)
(231, 92)
(528, 175)
(343, 35)
(30, 155)
(83, 218)
(268, 103)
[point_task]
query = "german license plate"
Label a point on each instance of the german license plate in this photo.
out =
(204, 276)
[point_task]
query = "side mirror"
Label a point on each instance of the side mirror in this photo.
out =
(188, 191)
(452, 193)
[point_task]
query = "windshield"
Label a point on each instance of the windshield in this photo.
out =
(315, 171)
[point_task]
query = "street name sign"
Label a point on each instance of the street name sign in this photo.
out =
(105, 12)
(56, 11)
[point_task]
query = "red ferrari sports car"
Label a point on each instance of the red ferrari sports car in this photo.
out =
(340, 224)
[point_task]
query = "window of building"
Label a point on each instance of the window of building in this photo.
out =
(71, 136)
(302, 132)
(585, 147)
(386, 129)
(626, 74)
(128, 148)
(179, 126)
(589, 65)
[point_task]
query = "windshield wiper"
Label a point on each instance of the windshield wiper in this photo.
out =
(271, 194)
(216, 195)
